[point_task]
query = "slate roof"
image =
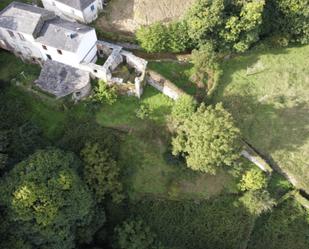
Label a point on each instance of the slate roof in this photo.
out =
(24, 18)
(77, 4)
(61, 80)
(62, 34)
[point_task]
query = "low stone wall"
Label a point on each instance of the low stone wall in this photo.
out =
(163, 85)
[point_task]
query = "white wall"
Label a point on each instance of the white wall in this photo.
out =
(87, 49)
(27, 47)
(61, 8)
(91, 15)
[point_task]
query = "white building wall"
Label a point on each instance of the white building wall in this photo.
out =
(66, 57)
(87, 49)
(62, 9)
(25, 45)
(91, 13)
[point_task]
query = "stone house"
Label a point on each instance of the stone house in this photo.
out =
(66, 50)
(81, 10)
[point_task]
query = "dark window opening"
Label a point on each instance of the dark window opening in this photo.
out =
(95, 70)
(33, 59)
(92, 7)
(59, 51)
(11, 34)
(21, 37)
(44, 47)
(49, 57)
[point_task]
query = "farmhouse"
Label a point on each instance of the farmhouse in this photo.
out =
(40, 36)
(81, 10)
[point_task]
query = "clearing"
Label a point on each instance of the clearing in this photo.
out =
(268, 94)
(127, 16)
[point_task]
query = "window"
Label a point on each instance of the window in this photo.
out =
(21, 37)
(92, 8)
(44, 47)
(54, 4)
(59, 51)
(49, 57)
(11, 34)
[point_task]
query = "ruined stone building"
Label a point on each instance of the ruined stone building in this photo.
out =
(67, 51)
(81, 10)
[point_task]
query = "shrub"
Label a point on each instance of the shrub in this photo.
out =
(183, 108)
(134, 234)
(143, 112)
(257, 202)
(104, 93)
(253, 179)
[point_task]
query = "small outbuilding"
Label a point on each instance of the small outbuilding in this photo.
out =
(61, 80)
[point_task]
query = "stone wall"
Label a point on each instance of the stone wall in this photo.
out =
(163, 85)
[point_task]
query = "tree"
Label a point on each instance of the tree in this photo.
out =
(101, 173)
(44, 196)
(205, 61)
(183, 108)
(288, 18)
(257, 202)
(208, 139)
(153, 38)
(134, 234)
(253, 179)
(227, 25)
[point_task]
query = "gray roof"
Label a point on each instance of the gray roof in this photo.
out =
(61, 80)
(77, 4)
(24, 18)
(62, 34)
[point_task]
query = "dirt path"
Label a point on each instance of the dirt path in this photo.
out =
(126, 16)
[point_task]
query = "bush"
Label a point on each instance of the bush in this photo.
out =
(257, 202)
(143, 112)
(253, 179)
(101, 173)
(104, 93)
(134, 234)
(183, 108)
(159, 37)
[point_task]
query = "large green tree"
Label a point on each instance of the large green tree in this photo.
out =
(46, 199)
(208, 139)
(101, 173)
(228, 25)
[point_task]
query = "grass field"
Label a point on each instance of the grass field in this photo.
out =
(144, 155)
(179, 74)
(268, 94)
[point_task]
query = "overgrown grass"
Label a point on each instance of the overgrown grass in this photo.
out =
(271, 105)
(216, 223)
(149, 168)
(287, 226)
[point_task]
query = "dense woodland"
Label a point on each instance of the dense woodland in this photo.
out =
(66, 184)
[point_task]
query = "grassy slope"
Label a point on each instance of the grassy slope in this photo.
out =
(144, 152)
(272, 106)
(179, 74)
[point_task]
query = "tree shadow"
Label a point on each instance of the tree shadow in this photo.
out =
(267, 126)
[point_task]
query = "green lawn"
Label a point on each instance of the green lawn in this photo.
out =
(268, 94)
(178, 73)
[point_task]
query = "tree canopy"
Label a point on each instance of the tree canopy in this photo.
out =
(46, 198)
(208, 139)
